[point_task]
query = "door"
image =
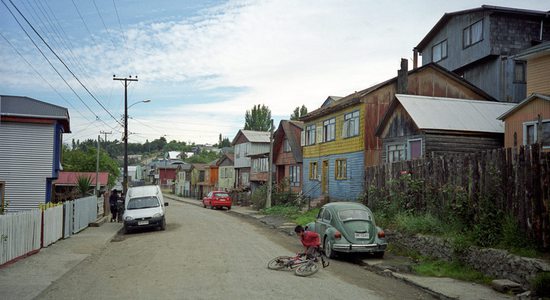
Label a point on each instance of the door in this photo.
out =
(324, 177)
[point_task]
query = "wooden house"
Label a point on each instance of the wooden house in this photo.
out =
(339, 138)
(528, 122)
(287, 154)
(198, 180)
(212, 176)
(226, 172)
(418, 126)
(31, 135)
(479, 45)
(250, 145)
(183, 180)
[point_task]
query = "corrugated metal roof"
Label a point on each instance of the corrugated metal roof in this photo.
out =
(454, 114)
(256, 136)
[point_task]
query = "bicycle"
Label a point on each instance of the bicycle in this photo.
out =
(304, 266)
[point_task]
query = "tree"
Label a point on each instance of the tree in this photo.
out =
(85, 161)
(298, 112)
(259, 118)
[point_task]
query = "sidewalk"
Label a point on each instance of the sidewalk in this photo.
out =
(443, 288)
(28, 277)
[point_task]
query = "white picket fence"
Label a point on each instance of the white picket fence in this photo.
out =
(53, 225)
(19, 234)
(24, 232)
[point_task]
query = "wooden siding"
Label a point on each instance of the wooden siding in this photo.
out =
(461, 142)
(226, 178)
(528, 113)
(340, 144)
(26, 160)
(348, 189)
(425, 82)
(538, 75)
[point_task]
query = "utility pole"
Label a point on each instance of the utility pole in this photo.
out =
(97, 169)
(126, 83)
(270, 168)
(105, 133)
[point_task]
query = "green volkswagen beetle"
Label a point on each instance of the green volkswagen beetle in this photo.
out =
(348, 227)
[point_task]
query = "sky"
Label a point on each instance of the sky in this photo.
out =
(203, 64)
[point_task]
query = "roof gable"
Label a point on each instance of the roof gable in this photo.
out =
(26, 107)
(291, 131)
(523, 103)
(251, 136)
(447, 16)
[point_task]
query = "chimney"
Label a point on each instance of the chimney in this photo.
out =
(402, 79)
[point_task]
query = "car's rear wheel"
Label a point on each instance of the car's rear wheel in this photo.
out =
(229, 208)
(327, 247)
(378, 254)
(203, 205)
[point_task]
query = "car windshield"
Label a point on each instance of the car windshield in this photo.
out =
(354, 214)
(221, 195)
(143, 202)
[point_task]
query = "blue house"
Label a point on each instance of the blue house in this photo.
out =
(31, 140)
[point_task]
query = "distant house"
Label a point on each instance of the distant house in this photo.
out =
(479, 45)
(198, 180)
(528, 122)
(287, 154)
(31, 135)
(135, 173)
(226, 172)
(167, 176)
(250, 145)
(212, 176)
(67, 182)
(183, 180)
(417, 126)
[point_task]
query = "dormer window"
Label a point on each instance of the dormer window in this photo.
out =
(472, 34)
(439, 51)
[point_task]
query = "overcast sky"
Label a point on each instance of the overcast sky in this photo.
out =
(204, 63)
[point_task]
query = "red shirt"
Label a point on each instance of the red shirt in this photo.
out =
(310, 239)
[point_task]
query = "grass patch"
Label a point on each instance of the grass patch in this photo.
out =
(438, 268)
(292, 213)
(425, 224)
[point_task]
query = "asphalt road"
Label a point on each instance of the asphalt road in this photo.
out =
(211, 254)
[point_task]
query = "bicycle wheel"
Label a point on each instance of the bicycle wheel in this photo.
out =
(278, 262)
(307, 269)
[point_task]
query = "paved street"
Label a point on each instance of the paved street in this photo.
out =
(210, 254)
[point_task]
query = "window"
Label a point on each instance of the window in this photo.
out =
(329, 130)
(351, 124)
(530, 133)
(519, 72)
(201, 176)
(313, 170)
(340, 169)
(294, 175)
(2, 191)
(327, 217)
(415, 149)
(260, 164)
(286, 146)
(310, 135)
(439, 51)
(395, 152)
(472, 34)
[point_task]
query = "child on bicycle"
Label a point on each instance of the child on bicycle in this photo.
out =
(310, 240)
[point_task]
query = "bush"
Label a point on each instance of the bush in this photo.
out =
(541, 284)
(259, 197)
(424, 223)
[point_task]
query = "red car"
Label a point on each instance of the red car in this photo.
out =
(217, 199)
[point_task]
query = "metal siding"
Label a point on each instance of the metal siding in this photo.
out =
(26, 157)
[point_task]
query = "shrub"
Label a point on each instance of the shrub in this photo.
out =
(541, 284)
(423, 223)
(259, 197)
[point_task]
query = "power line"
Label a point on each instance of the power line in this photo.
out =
(57, 56)
(103, 21)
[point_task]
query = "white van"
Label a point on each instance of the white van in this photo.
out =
(144, 207)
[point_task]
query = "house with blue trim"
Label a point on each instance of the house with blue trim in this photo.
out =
(31, 138)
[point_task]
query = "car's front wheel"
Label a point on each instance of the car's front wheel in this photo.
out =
(163, 224)
(327, 247)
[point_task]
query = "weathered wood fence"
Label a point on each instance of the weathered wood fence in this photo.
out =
(25, 232)
(517, 180)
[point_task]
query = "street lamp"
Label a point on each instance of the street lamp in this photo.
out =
(125, 178)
